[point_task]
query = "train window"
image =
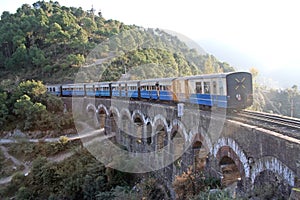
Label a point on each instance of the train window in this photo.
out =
(221, 88)
(206, 87)
(214, 83)
(53, 89)
(198, 87)
(50, 89)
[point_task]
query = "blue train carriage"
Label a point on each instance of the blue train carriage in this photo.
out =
(239, 90)
(166, 89)
(148, 89)
(90, 89)
(102, 89)
(208, 90)
(77, 89)
(156, 89)
(132, 89)
(115, 89)
(54, 89)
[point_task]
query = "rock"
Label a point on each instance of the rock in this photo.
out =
(18, 134)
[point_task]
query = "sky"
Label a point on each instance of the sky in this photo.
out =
(263, 34)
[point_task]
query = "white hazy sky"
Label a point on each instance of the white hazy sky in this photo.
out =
(261, 33)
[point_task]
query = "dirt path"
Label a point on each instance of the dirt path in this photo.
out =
(16, 162)
(87, 134)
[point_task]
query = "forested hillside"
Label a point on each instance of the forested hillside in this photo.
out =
(49, 42)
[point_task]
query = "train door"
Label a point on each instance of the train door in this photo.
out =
(214, 93)
(180, 89)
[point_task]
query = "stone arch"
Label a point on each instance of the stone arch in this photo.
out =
(178, 142)
(91, 108)
(125, 112)
(196, 135)
(161, 136)
(228, 147)
(114, 117)
(177, 125)
(102, 115)
(148, 135)
(270, 185)
(140, 115)
(138, 125)
(92, 117)
(230, 168)
(160, 130)
(103, 108)
(160, 120)
(200, 151)
(113, 110)
(125, 125)
(275, 165)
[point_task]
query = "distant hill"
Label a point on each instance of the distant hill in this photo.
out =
(50, 42)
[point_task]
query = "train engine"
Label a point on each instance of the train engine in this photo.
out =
(239, 90)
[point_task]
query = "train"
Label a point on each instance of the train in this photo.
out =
(231, 90)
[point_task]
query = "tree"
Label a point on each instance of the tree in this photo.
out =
(3, 108)
(292, 93)
(75, 60)
(37, 57)
(33, 89)
(29, 113)
(258, 96)
(208, 66)
(254, 72)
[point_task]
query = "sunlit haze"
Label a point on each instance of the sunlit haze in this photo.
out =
(261, 34)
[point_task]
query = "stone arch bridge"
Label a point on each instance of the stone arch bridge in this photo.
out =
(233, 151)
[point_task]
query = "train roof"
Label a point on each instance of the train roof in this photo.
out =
(155, 80)
(209, 76)
(52, 85)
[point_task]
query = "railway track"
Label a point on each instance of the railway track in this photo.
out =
(281, 124)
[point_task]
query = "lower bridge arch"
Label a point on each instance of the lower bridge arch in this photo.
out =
(232, 160)
(276, 166)
(114, 120)
(91, 108)
(102, 115)
(103, 108)
(200, 150)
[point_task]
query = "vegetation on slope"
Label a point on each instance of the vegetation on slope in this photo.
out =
(49, 42)
(27, 107)
(275, 100)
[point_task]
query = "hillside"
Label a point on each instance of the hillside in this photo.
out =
(50, 42)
